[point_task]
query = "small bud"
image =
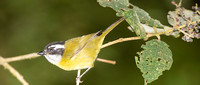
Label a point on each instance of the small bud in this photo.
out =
(186, 24)
(177, 19)
(193, 7)
(184, 29)
(184, 38)
(193, 26)
(182, 9)
(194, 14)
(190, 31)
(197, 30)
(194, 35)
(189, 40)
(198, 27)
(189, 18)
(197, 35)
(187, 28)
(183, 16)
(180, 23)
(197, 22)
(173, 2)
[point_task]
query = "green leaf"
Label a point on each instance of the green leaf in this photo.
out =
(172, 16)
(134, 21)
(134, 16)
(176, 15)
(153, 60)
(146, 19)
(117, 5)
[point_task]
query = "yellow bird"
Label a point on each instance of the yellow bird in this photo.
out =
(77, 53)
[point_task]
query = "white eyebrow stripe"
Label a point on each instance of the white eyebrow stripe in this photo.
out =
(57, 46)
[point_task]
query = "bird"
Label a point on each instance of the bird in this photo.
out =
(77, 53)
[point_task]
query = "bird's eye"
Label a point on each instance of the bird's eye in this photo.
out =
(51, 50)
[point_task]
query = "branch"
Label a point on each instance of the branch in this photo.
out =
(106, 61)
(13, 71)
(22, 57)
(124, 39)
(35, 55)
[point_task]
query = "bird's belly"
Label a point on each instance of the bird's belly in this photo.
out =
(75, 64)
(84, 59)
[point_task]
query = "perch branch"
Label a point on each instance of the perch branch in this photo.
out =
(124, 39)
(22, 57)
(13, 71)
(35, 55)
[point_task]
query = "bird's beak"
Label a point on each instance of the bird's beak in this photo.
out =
(41, 53)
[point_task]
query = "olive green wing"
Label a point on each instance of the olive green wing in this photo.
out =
(75, 45)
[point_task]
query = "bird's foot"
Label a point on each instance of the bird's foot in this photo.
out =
(78, 79)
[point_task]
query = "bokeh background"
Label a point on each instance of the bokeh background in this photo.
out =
(26, 26)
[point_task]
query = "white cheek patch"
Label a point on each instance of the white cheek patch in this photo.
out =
(57, 46)
(54, 59)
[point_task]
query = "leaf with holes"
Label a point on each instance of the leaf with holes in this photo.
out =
(117, 5)
(134, 21)
(133, 15)
(153, 60)
(146, 19)
(180, 16)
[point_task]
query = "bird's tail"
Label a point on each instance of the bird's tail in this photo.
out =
(111, 27)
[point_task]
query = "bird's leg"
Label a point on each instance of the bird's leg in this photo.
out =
(78, 78)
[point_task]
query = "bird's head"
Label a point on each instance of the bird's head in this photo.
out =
(53, 52)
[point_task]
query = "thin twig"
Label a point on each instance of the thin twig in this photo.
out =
(120, 40)
(189, 35)
(106, 61)
(35, 55)
(22, 57)
(123, 40)
(13, 71)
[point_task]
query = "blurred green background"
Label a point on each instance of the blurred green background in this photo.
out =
(26, 26)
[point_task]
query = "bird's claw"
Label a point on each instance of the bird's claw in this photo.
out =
(78, 79)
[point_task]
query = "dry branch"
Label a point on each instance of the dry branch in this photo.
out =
(13, 71)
